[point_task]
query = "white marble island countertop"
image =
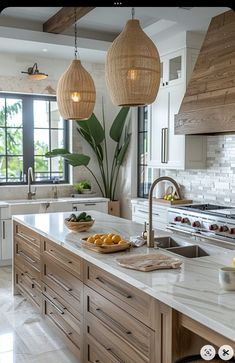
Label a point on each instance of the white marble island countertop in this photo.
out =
(192, 290)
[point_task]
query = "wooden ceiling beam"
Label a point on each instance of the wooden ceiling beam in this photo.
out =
(64, 18)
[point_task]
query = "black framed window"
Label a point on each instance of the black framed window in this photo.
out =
(143, 170)
(31, 125)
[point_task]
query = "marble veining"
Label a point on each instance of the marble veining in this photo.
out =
(24, 336)
(193, 289)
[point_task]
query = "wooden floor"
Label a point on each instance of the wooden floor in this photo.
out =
(24, 336)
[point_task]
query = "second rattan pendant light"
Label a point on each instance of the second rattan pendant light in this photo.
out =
(76, 90)
(132, 67)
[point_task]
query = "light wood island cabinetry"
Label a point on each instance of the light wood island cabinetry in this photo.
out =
(102, 318)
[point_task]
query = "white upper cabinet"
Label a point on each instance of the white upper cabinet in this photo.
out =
(167, 150)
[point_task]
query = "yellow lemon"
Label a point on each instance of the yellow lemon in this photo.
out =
(104, 236)
(110, 235)
(122, 242)
(98, 242)
(96, 236)
(108, 241)
(116, 238)
(91, 239)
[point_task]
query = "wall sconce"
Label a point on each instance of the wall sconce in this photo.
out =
(34, 73)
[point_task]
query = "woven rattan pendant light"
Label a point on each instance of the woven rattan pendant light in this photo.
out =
(76, 90)
(132, 67)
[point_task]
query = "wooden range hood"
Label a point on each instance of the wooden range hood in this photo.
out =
(208, 106)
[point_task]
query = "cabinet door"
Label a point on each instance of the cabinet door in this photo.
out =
(173, 68)
(176, 147)
(6, 239)
(158, 126)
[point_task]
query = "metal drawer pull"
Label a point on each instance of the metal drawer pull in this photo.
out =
(25, 236)
(115, 356)
(61, 306)
(26, 257)
(61, 257)
(114, 322)
(87, 204)
(52, 277)
(162, 146)
(53, 304)
(113, 287)
(3, 230)
(144, 211)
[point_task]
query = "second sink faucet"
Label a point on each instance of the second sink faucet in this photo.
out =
(150, 232)
(30, 194)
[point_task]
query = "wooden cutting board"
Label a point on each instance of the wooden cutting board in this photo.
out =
(150, 262)
(173, 202)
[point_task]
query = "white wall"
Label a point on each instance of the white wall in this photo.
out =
(12, 80)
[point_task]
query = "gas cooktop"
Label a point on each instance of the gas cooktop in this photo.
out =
(210, 209)
(203, 207)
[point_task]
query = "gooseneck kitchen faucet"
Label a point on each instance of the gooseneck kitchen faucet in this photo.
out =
(150, 232)
(30, 194)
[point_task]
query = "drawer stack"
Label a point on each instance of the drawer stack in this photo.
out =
(62, 293)
(115, 318)
(27, 278)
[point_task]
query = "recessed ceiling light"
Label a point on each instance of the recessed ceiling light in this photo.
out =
(45, 50)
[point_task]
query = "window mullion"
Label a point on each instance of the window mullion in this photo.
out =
(28, 133)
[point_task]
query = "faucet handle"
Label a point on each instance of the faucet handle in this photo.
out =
(35, 189)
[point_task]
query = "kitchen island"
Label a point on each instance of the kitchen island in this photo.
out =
(107, 313)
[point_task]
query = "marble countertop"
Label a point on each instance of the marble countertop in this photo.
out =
(83, 199)
(193, 289)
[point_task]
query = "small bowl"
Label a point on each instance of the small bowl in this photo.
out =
(79, 226)
(227, 278)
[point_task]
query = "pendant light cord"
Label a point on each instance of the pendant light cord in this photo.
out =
(133, 13)
(75, 34)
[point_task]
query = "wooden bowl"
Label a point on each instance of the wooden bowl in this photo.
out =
(79, 226)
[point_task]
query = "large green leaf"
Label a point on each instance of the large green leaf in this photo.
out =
(123, 150)
(56, 152)
(118, 124)
(77, 159)
(72, 159)
(93, 127)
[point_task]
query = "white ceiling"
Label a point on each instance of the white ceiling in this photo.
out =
(21, 28)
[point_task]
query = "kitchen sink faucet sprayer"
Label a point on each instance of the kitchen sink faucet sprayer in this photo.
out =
(150, 232)
(30, 194)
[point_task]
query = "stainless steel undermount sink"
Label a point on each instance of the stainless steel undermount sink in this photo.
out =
(189, 251)
(180, 247)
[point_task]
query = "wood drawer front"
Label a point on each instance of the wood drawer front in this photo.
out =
(28, 287)
(63, 283)
(120, 322)
(25, 253)
(54, 313)
(68, 260)
(27, 235)
(28, 269)
(73, 317)
(96, 353)
(129, 298)
(115, 347)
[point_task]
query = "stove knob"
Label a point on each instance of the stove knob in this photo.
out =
(231, 230)
(223, 229)
(185, 220)
(177, 219)
(213, 227)
(196, 224)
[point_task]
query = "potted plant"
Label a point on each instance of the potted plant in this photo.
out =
(94, 133)
(83, 186)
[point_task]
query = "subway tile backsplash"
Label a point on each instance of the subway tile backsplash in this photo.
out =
(216, 183)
